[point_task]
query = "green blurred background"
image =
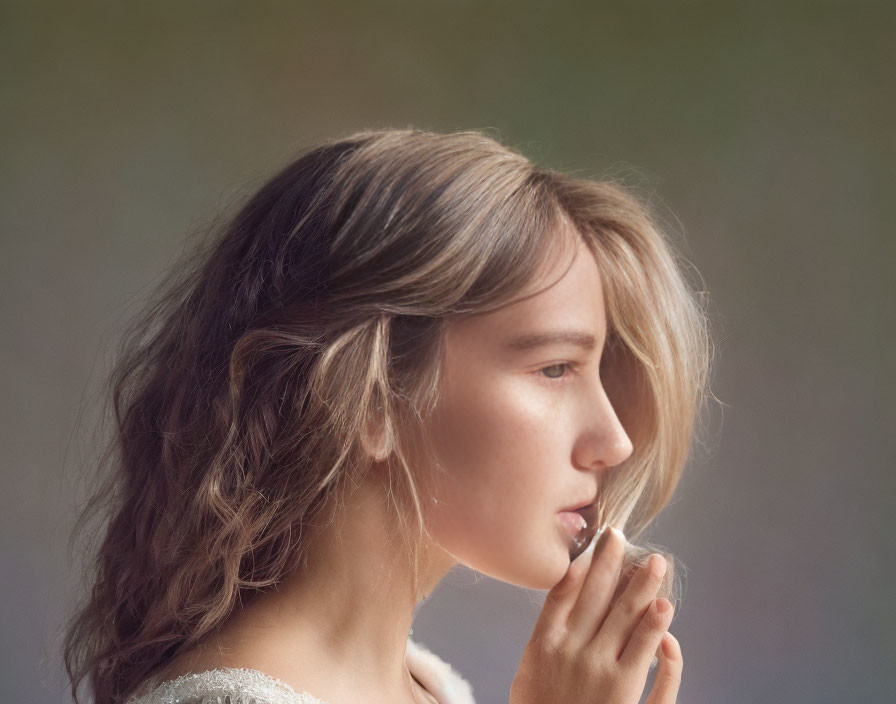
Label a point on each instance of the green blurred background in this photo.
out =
(763, 134)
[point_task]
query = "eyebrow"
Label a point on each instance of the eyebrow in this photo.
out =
(533, 341)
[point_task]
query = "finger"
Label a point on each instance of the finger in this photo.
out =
(641, 647)
(668, 672)
(562, 596)
(627, 612)
(599, 585)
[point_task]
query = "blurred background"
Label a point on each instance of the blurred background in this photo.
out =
(762, 132)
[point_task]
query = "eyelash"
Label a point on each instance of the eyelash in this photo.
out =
(569, 365)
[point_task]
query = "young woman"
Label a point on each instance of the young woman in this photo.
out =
(407, 351)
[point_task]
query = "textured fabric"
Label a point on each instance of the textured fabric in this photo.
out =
(244, 686)
(225, 686)
(437, 676)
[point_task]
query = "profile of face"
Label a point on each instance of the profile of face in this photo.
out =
(524, 427)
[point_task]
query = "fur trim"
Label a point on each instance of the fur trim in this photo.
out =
(440, 679)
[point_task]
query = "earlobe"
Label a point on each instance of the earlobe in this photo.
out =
(376, 437)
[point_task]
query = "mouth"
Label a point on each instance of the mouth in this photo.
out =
(582, 522)
(589, 513)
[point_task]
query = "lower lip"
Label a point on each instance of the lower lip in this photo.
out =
(572, 522)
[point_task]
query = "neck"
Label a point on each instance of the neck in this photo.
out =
(339, 625)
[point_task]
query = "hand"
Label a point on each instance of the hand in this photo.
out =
(588, 649)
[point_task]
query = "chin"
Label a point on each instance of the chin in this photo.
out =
(544, 579)
(542, 574)
(519, 564)
(543, 582)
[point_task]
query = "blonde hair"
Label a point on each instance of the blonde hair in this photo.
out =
(243, 395)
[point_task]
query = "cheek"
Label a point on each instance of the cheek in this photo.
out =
(496, 492)
(493, 440)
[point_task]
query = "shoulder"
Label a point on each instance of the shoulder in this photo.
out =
(247, 686)
(441, 679)
(235, 685)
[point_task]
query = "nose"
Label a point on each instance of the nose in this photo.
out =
(603, 442)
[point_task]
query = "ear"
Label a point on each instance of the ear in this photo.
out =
(376, 437)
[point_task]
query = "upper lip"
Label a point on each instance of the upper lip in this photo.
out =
(576, 507)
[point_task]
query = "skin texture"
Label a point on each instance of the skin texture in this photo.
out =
(586, 647)
(524, 433)
(519, 435)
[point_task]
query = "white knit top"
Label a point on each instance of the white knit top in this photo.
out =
(244, 686)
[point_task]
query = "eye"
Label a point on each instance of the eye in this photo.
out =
(555, 367)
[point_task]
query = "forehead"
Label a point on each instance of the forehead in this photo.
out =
(565, 296)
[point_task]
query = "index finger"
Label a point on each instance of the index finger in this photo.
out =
(596, 594)
(562, 596)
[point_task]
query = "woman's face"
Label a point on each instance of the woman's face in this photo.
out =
(524, 427)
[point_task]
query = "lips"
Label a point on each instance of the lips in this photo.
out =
(589, 513)
(588, 531)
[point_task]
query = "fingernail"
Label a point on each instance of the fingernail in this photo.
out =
(619, 533)
(603, 535)
(664, 566)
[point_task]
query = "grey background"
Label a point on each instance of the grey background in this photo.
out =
(764, 134)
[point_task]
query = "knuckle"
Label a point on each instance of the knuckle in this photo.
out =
(628, 609)
(564, 650)
(595, 664)
(552, 643)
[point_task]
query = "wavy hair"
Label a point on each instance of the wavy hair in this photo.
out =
(242, 396)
